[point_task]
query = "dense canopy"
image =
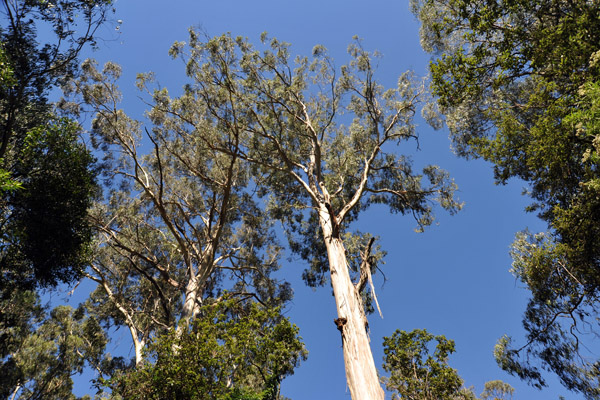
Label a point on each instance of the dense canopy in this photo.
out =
(518, 82)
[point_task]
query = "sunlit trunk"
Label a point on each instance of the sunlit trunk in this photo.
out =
(138, 345)
(190, 304)
(361, 373)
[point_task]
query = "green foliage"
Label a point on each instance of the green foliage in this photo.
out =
(7, 76)
(420, 371)
(232, 351)
(178, 223)
(46, 234)
(497, 390)
(518, 83)
(30, 66)
(39, 63)
(415, 373)
(7, 80)
(41, 352)
(285, 119)
(46, 186)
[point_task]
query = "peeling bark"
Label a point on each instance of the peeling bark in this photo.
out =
(361, 373)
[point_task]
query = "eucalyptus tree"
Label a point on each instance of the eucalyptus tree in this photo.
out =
(178, 224)
(317, 174)
(518, 82)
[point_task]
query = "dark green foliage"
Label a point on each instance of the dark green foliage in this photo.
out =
(46, 234)
(232, 351)
(40, 63)
(7, 76)
(46, 186)
(518, 82)
(31, 139)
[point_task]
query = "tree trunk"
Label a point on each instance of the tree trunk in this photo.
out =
(361, 374)
(190, 304)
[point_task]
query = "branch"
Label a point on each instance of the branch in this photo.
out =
(365, 274)
(545, 329)
(128, 318)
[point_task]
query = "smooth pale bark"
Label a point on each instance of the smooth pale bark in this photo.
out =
(361, 373)
(190, 304)
(138, 342)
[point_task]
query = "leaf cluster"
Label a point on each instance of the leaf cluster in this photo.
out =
(229, 353)
(42, 351)
(415, 373)
(420, 371)
(46, 234)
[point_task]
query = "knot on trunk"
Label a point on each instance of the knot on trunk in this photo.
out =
(340, 322)
(334, 223)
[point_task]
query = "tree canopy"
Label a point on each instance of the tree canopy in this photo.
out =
(47, 183)
(46, 174)
(178, 219)
(517, 82)
(317, 174)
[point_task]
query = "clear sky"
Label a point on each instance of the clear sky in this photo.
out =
(451, 280)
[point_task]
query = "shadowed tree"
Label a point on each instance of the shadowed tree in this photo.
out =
(38, 63)
(518, 82)
(47, 182)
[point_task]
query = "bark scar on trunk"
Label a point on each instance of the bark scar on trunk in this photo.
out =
(334, 223)
(340, 322)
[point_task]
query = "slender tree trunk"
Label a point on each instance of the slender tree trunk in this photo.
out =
(361, 374)
(14, 395)
(138, 345)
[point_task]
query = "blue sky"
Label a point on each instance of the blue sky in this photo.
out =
(451, 280)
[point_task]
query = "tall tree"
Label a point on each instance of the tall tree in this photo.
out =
(47, 182)
(178, 225)
(517, 81)
(318, 174)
